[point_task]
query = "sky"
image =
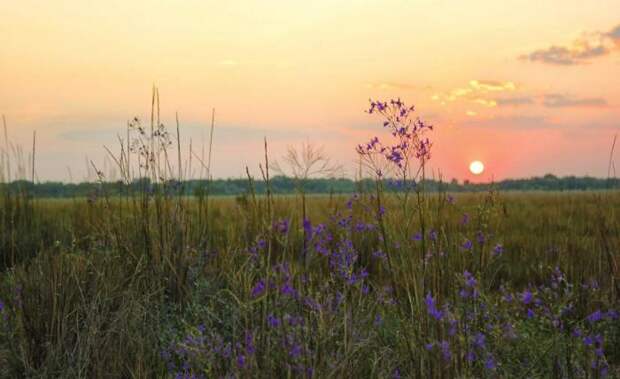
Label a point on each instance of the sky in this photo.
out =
(526, 87)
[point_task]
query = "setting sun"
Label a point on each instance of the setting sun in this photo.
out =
(476, 167)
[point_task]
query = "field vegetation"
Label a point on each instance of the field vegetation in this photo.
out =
(379, 283)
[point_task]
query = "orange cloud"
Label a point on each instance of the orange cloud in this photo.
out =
(492, 86)
(486, 103)
(475, 91)
(584, 48)
(562, 101)
(514, 101)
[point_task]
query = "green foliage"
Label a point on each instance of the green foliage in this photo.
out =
(285, 185)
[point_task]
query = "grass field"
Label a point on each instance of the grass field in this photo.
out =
(475, 285)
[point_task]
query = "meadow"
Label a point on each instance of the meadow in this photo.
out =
(373, 284)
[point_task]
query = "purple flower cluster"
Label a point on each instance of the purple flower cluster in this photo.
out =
(256, 248)
(258, 289)
(408, 137)
(187, 357)
(470, 288)
(431, 307)
(281, 226)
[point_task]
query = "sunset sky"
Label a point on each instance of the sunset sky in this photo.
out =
(527, 87)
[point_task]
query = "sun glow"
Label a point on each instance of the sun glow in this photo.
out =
(476, 167)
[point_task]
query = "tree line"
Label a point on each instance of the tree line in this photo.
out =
(286, 185)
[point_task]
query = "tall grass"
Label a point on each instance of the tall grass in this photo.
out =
(412, 284)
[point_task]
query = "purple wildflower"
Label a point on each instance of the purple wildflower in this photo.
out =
(526, 297)
(378, 320)
(431, 307)
(445, 350)
(480, 237)
(294, 320)
(365, 289)
(467, 245)
(281, 226)
(489, 363)
(259, 288)
(530, 313)
(470, 356)
(479, 340)
(407, 132)
(241, 361)
(379, 255)
(307, 228)
(261, 243)
(273, 321)
(432, 235)
(312, 304)
(598, 340)
(453, 327)
(470, 280)
(295, 351)
(288, 290)
(249, 342)
(595, 316)
(465, 219)
(599, 352)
